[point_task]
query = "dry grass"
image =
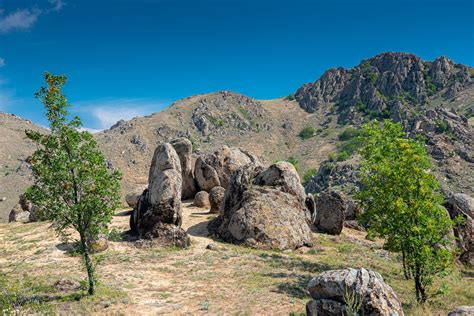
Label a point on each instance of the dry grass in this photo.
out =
(231, 279)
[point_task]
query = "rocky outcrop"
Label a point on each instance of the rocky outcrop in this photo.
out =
(378, 83)
(262, 210)
(158, 213)
(462, 205)
(201, 199)
(215, 169)
(216, 199)
(184, 149)
(25, 211)
(361, 291)
(330, 212)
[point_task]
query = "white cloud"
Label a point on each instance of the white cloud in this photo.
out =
(2, 62)
(90, 130)
(107, 112)
(24, 19)
(57, 4)
(19, 20)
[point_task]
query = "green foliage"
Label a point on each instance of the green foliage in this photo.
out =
(442, 126)
(215, 121)
(307, 132)
(290, 97)
(73, 187)
(295, 162)
(309, 174)
(402, 203)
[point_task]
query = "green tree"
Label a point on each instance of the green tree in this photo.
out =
(73, 187)
(307, 132)
(402, 203)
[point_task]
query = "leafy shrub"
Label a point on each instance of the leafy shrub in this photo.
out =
(290, 97)
(343, 155)
(309, 174)
(441, 126)
(295, 162)
(307, 132)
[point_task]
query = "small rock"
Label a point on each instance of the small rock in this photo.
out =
(101, 244)
(211, 247)
(3, 199)
(462, 311)
(65, 285)
(201, 199)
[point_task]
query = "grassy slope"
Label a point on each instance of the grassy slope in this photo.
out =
(232, 279)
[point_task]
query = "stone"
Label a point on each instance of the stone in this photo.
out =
(206, 176)
(159, 207)
(65, 285)
(330, 212)
(216, 199)
(462, 311)
(462, 205)
(132, 198)
(262, 214)
(201, 199)
(17, 214)
(332, 289)
(216, 168)
(184, 149)
(99, 245)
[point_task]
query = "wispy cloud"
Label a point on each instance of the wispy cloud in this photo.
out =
(24, 19)
(2, 62)
(57, 4)
(107, 112)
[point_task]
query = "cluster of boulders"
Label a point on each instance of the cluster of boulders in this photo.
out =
(352, 292)
(24, 212)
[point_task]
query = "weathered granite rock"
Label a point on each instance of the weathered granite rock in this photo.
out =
(215, 169)
(262, 214)
(201, 199)
(462, 311)
(184, 149)
(330, 212)
(159, 206)
(216, 199)
(331, 289)
(462, 205)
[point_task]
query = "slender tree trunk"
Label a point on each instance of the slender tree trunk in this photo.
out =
(89, 266)
(419, 287)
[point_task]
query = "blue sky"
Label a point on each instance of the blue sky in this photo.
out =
(134, 57)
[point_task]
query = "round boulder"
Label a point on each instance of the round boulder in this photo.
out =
(201, 199)
(216, 198)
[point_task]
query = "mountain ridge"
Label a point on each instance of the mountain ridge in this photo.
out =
(339, 99)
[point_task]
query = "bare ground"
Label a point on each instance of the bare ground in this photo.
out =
(228, 280)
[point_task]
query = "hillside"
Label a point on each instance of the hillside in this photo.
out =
(433, 99)
(15, 175)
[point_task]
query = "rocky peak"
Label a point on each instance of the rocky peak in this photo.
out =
(380, 83)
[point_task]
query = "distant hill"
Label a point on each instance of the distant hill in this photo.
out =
(432, 98)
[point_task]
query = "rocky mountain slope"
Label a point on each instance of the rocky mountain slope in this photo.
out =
(432, 98)
(15, 148)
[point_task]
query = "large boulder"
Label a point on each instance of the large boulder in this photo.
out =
(462, 205)
(160, 204)
(215, 169)
(132, 197)
(330, 212)
(184, 149)
(264, 215)
(337, 292)
(201, 199)
(216, 198)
